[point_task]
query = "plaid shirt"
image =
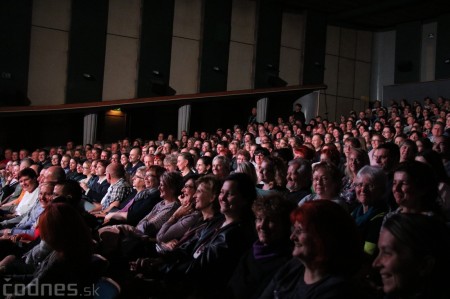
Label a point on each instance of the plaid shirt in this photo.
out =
(116, 192)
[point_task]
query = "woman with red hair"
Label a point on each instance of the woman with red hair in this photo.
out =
(327, 252)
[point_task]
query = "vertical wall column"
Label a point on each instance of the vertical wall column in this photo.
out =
(90, 128)
(261, 110)
(268, 41)
(215, 45)
(184, 119)
(156, 45)
(314, 48)
(87, 42)
(428, 53)
(15, 25)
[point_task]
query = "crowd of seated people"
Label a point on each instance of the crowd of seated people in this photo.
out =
(353, 208)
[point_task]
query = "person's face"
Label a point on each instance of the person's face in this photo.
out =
(217, 168)
(293, 178)
(387, 133)
(181, 163)
(65, 162)
(86, 169)
(170, 167)
(382, 159)
(323, 184)
(229, 198)
(72, 165)
(365, 190)
(406, 153)
(303, 246)
(187, 192)
(138, 181)
(198, 144)
(22, 154)
(55, 160)
(201, 167)
(134, 156)
(41, 156)
(219, 148)
(27, 183)
(123, 160)
(203, 197)
(347, 148)
(104, 155)
(166, 149)
(45, 195)
(397, 267)
(269, 229)
(164, 190)
(354, 162)
(405, 192)
(148, 161)
(259, 158)
(316, 141)
(57, 191)
(265, 173)
(436, 130)
(100, 169)
(375, 141)
(151, 180)
(115, 158)
(240, 159)
(94, 154)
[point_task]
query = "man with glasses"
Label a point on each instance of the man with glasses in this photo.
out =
(146, 197)
(375, 142)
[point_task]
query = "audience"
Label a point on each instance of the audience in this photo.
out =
(197, 240)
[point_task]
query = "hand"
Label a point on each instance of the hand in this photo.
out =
(182, 211)
(83, 186)
(140, 264)
(170, 245)
(108, 217)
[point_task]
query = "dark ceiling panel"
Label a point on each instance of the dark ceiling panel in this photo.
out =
(373, 15)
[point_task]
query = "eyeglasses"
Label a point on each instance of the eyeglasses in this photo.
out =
(137, 176)
(369, 187)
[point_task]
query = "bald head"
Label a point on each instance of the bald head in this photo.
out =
(116, 171)
(55, 175)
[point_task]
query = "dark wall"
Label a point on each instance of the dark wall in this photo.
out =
(208, 116)
(215, 45)
(443, 48)
(268, 43)
(87, 44)
(156, 48)
(408, 46)
(280, 106)
(15, 30)
(36, 131)
(147, 122)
